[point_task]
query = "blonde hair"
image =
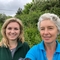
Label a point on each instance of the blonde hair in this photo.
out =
(4, 41)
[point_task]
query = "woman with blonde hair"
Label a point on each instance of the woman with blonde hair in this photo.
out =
(12, 45)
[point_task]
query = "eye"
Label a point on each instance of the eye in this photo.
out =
(42, 28)
(50, 28)
(16, 29)
(9, 28)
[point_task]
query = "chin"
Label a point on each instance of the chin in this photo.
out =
(12, 39)
(48, 42)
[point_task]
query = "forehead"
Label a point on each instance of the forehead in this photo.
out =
(47, 23)
(13, 24)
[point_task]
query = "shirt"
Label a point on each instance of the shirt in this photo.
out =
(38, 52)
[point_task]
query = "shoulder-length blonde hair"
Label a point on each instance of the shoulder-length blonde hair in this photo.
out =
(4, 41)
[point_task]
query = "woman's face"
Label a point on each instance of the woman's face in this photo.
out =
(12, 31)
(48, 31)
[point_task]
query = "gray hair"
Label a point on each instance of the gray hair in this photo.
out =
(52, 17)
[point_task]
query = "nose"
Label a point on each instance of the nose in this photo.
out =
(46, 31)
(12, 31)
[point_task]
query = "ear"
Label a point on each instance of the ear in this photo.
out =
(58, 32)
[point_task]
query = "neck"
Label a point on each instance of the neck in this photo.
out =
(50, 47)
(12, 44)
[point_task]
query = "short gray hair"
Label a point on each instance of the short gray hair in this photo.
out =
(50, 16)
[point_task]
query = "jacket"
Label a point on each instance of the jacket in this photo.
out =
(21, 50)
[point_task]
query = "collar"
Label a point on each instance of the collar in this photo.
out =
(20, 44)
(57, 47)
(41, 46)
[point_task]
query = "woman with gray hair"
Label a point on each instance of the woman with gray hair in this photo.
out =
(49, 48)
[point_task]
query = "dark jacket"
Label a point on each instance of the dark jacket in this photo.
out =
(21, 50)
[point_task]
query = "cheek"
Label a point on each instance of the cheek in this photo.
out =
(7, 31)
(55, 32)
(18, 32)
(41, 33)
(5, 34)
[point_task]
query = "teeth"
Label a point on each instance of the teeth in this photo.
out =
(12, 35)
(47, 37)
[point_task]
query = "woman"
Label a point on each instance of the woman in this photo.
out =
(49, 48)
(12, 45)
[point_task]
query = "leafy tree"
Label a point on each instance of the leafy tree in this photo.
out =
(31, 14)
(19, 12)
(27, 8)
(2, 18)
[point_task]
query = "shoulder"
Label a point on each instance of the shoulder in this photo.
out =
(33, 52)
(2, 49)
(37, 48)
(58, 46)
(34, 48)
(25, 44)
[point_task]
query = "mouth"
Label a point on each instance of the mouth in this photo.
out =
(12, 35)
(47, 38)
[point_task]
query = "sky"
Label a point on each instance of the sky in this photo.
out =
(10, 7)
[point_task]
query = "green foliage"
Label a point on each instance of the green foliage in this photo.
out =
(58, 37)
(55, 10)
(32, 36)
(2, 18)
(31, 33)
(31, 14)
(0, 31)
(27, 8)
(19, 11)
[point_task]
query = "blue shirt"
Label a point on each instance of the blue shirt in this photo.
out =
(38, 52)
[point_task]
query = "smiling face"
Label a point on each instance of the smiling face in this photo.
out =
(48, 31)
(12, 31)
